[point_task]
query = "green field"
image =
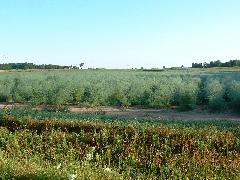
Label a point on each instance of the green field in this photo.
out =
(215, 89)
(56, 144)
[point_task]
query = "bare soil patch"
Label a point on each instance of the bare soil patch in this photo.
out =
(196, 114)
(132, 112)
(7, 71)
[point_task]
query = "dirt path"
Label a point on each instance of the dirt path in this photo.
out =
(160, 113)
(196, 114)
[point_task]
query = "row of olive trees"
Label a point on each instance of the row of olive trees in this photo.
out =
(149, 90)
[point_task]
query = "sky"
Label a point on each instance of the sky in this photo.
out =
(119, 33)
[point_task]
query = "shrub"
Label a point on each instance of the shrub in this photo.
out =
(161, 97)
(186, 95)
(234, 94)
(186, 102)
(215, 93)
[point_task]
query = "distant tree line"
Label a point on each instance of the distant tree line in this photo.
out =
(9, 66)
(217, 63)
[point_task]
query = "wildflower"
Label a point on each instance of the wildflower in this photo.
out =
(97, 156)
(89, 156)
(72, 176)
(107, 169)
(58, 166)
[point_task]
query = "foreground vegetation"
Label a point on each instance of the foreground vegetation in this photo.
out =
(93, 148)
(215, 90)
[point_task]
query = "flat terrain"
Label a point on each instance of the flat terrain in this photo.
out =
(120, 124)
(132, 112)
(196, 114)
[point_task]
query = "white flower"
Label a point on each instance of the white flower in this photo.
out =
(58, 166)
(72, 176)
(89, 156)
(107, 169)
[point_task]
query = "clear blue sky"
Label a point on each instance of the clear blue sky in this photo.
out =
(119, 33)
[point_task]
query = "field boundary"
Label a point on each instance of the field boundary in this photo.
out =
(137, 112)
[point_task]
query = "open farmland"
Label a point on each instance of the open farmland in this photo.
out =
(53, 143)
(119, 90)
(214, 90)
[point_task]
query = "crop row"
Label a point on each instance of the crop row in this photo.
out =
(218, 91)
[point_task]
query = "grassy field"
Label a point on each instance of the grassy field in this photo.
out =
(56, 144)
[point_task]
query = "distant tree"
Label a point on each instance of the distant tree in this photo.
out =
(75, 67)
(9, 66)
(217, 63)
(197, 65)
(81, 65)
(205, 65)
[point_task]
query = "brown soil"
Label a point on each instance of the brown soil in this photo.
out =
(7, 70)
(133, 112)
(160, 113)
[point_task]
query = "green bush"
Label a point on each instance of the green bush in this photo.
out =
(215, 92)
(234, 94)
(186, 95)
(161, 96)
(186, 102)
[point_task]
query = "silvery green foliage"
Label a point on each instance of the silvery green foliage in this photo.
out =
(157, 89)
(234, 95)
(215, 94)
(188, 94)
